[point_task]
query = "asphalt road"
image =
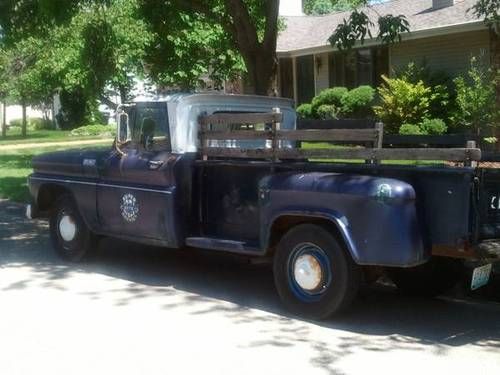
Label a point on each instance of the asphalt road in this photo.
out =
(139, 310)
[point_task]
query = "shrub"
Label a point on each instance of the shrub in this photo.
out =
(16, 123)
(328, 112)
(34, 123)
(434, 126)
(94, 130)
(304, 111)
(358, 101)
(40, 124)
(411, 129)
(404, 102)
(331, 96)
(475, 98)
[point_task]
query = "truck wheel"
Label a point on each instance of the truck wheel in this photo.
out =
(71, 238)
(314, 275)
(435, 277)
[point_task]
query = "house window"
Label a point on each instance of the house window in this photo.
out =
(305, 79)
(286, 78)
(358, 67)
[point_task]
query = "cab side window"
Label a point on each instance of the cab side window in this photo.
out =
(151, 129)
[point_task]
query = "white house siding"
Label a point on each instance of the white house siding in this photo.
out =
(321, 66)
(448, 53)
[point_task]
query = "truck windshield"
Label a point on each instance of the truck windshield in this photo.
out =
(150, 127)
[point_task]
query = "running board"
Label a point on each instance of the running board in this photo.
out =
(223, 245)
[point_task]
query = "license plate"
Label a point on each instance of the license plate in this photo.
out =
(480, 276)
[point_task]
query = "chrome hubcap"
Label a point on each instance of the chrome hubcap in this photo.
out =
(67, 228)
(307, 272)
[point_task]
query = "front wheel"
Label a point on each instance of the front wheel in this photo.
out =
(71, 238)
(314, 275)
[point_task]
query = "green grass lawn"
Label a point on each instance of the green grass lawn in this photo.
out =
(15, 166)
(38, 136)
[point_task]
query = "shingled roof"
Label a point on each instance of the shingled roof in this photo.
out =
(305, 32)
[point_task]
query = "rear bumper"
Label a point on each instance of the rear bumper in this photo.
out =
(487, 250)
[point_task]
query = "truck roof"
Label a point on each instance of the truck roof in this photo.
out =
(184, 110)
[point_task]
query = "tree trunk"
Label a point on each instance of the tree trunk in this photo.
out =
(261, 68)
(495, 64)
(123, 94)
(4, 120)
(24, 123)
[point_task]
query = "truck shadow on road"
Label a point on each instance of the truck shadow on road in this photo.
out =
(205, 283)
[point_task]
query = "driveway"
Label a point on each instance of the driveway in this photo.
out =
(142, 310)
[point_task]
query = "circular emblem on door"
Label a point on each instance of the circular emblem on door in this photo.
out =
(129, 208)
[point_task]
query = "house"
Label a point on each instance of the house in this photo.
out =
(443, 33)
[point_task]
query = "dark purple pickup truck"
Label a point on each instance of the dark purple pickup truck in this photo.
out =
(327, 226)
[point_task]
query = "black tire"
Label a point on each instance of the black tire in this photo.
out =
(340, 276)
(83, 241)
(431, 279)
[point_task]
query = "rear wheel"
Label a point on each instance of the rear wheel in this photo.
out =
(435, 277)
(71, 238)
(314, 275)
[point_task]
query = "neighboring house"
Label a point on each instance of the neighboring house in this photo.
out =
(444, 33)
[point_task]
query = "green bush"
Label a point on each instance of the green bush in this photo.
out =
(94, 130)
(434, 126)
(476, 106)
(16, 123)
(403, 102)
(304, 111)
(358, 102)
(411, 129)
(34, 123)
(40, 124)
(331, 96)
(328, 112)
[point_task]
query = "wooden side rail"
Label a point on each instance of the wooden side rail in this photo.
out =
(448, 154)
(277, 148)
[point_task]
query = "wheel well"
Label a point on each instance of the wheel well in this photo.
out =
(48, 195)
(284, 223)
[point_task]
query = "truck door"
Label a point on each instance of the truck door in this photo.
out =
(135, 193)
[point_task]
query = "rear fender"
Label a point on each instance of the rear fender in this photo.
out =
(335, 218)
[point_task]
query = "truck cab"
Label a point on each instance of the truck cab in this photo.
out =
(322, 224)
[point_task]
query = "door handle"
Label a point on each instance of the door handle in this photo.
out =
(155, 164)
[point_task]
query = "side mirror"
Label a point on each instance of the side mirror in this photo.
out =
(123, 130)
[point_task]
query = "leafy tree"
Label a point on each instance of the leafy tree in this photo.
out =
(317, 7)
(239, 28)
(476, 98)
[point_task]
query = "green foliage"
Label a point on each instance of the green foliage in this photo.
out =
(489, 10)
(36, 123)
(404, 102)
(354, 29)
(339, 102)
(358, 101)
(332, 96)
(433, 126)
(317, 7)
(94, 130)
(304, 111)
(390, 28)
(476, 107)
(411, 129)
(328, 112)
(440, 83)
